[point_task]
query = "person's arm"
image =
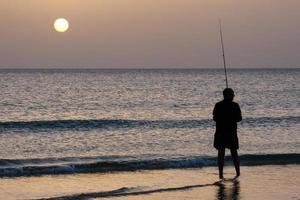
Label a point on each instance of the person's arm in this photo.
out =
(215, 113)
(239, 114)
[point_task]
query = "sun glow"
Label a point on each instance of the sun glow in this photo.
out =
(61, 25)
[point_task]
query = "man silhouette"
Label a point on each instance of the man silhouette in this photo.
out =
(226, 114)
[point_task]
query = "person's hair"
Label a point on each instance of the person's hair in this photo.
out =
(228, 91)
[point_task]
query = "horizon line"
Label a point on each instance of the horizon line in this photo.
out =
(138, 68)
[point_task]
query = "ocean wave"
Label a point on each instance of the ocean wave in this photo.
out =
(123, 123)
(49, 166)
(102, 123)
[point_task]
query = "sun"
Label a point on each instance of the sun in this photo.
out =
(61, 25)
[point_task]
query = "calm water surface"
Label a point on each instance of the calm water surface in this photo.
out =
(142, 113)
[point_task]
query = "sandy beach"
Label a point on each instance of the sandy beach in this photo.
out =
(259, 182)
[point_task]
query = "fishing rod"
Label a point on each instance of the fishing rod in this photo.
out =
(223, 51)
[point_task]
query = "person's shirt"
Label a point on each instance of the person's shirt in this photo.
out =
(226, 114)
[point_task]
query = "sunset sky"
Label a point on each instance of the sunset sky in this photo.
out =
(149, 33)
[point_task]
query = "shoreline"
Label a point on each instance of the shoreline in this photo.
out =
(89, 165)
(256, 182)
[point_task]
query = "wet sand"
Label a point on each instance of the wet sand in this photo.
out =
(260, 182)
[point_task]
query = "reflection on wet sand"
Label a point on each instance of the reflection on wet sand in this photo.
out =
(228, 189)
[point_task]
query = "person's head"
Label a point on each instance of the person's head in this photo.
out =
(228, 94)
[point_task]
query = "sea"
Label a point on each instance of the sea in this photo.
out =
(65, 121)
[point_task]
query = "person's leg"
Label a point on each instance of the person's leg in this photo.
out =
(221, 154)
(236, 162)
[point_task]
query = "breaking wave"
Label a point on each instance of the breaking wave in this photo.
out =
(120, 123)
(70, 165)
